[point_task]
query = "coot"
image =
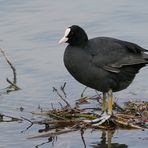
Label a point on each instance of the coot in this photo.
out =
(102, 63)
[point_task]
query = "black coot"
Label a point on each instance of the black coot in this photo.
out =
(102, 63)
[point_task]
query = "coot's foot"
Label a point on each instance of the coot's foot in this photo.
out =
(104, 117)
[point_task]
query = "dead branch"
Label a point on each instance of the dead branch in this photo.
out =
(63, 89)
(60, 122)
(127, 125)
(12, 119)
(10, 64)
(13, 83)
(82, 94)
(82, 137)
(55, 90)
(31, 124)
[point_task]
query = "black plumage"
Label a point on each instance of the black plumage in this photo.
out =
(102, 63)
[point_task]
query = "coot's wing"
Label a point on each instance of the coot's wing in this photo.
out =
(131, 60)
(118, 54)
(135, 55)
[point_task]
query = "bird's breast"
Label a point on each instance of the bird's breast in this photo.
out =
(78, 63)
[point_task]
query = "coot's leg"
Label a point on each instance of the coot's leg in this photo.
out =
(106, 115)
(110, 96)
(104, 103)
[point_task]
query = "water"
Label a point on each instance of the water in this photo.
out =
(29, 34)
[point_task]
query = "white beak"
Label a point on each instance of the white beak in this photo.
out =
(65, 38)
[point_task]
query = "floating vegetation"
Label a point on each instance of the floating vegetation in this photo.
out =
(69, 118)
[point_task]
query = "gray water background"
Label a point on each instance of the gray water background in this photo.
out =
(29, 34)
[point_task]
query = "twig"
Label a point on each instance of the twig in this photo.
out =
(50, 139)
(127, 125)
(82, 94)
(79, 115)
(12, 67)
(61, 105)
(82, 137)
(13, 84)
(13, 70)
(54, 115)
(12, 118)
(119, 108)
(66, 122)
(63, 89)
(54, 89)
(31, 124)
(52, 106)
(63, 115)
(99, 96)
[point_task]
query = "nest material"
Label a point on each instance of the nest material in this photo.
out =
(68, 118)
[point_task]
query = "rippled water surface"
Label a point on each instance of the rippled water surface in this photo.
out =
(29, 34)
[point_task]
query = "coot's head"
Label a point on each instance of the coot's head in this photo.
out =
(74, 36)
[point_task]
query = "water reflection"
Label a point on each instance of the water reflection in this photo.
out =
(49, 140)
(106, 141)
